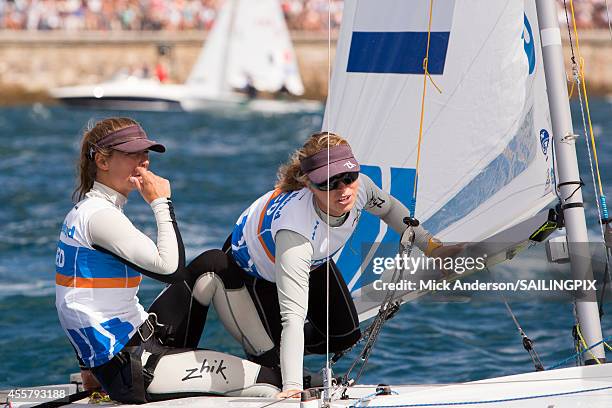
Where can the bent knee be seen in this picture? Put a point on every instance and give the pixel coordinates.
(217, 262)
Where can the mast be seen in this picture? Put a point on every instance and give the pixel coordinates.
(569, 176)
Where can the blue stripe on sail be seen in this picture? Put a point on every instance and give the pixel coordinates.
(397, 52)
(364, 235)
(516, 158)
(402, 186)
(529, 45)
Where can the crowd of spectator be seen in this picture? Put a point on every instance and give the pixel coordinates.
(107, 15)
(309, 15)
(589, 14)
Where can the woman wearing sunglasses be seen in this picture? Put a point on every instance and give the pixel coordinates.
(270, 277)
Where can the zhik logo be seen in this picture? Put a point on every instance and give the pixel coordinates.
(206, 367)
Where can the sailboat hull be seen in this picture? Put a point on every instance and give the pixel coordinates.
(235, 101)
(589, 386)
(123, 103)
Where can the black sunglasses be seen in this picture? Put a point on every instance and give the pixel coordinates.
(332, 184)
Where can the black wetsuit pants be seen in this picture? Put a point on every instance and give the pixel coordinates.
(186, 317)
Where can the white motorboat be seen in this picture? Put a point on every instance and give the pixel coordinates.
(123, 92)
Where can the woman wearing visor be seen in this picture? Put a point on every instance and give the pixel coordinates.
(100, 259)
(271, 275)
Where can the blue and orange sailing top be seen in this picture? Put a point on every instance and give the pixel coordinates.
(97, 283)
(253, 237)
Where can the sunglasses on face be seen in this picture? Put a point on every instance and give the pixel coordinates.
(332, 184)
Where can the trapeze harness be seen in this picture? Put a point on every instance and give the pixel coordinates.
(268, 284)
(100, 260)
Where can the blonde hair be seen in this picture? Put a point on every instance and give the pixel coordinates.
(86, 167)
(290, 176)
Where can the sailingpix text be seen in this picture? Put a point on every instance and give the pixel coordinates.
(541, 285)
(408, 264)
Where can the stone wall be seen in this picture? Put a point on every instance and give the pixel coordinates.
(33, 62)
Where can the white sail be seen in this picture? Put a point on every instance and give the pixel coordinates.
(486, 161)
(248, 45)
(207, 75)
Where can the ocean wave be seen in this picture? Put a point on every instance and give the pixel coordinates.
(36, 288)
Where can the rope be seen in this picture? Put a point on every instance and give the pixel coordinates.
(606, 279)
(99, 398)
(528, 344)
(578, 354)
(571, 43)
(367, 397)
(426, 75)
(600, 198)
(387, 310)
(584, 344)
(557, 365)
(326, 374)
(586, 98)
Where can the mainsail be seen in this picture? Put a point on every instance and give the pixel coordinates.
(248, 45)
(485, 156)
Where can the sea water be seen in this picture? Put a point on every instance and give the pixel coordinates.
(218, 164)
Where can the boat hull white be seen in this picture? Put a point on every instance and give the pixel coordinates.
(589, 386)
(123, 103)
(123, 94)
(235, 101)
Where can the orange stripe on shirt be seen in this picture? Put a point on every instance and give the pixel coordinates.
(99, 283)
(275, 194)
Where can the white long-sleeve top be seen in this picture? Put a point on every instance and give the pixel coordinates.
(99, 261)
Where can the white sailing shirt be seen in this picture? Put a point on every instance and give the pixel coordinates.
(253, 238)
(99, 260)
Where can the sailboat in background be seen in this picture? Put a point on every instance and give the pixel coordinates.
(483, 169)
(248, 51)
